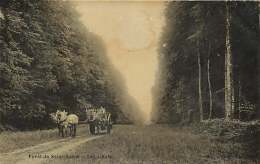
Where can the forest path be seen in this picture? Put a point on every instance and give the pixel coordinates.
(155, 144)
(131, 144)
(40, 153)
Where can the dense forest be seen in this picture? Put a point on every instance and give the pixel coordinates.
(49, 61)
(208, 62)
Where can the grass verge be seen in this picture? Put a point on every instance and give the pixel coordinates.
(159, 145)
(10, 141)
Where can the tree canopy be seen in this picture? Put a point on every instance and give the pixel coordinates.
(192, 51)
(50, 61)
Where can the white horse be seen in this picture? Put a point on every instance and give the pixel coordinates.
(66, 122)
(54, 117)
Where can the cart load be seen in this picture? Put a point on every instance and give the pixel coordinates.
(99, 120)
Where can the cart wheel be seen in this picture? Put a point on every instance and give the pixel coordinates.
(91, 128)
(96, 129)
(108, 129)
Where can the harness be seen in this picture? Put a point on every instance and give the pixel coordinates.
(60, 122)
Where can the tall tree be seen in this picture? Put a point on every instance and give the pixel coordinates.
(227, 34)
(229, 88)
(209, 83)
(200, 83)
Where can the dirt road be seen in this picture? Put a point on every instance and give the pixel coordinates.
(129, 144)
(39, 153)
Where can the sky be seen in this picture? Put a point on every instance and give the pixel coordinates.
(130, 31)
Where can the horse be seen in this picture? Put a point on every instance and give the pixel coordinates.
(65, 122)
(54, 117)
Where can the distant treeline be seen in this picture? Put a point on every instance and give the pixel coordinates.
(208, 62)
(49, 61)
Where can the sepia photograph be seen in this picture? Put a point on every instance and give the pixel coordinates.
(129, 82)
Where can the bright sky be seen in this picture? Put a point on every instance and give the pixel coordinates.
(130, 31)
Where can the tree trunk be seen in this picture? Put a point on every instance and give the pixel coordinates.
(209, 85)
(229, 96)
(200, 86)
(181, 102)
(258, 72)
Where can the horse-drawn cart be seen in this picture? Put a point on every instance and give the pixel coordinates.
(99, 120)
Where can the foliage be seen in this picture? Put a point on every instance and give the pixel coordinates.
(50, 61)
(200, 27)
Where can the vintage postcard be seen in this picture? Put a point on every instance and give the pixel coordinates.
(129, 82)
